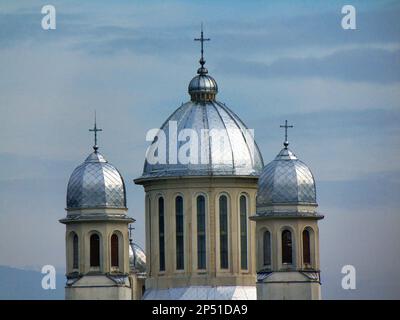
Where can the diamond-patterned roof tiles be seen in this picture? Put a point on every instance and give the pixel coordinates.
(286, 180)
(96, 183)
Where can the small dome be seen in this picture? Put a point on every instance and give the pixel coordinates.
(96, 184)
(137, 258)
(286, 180)
(202, 87)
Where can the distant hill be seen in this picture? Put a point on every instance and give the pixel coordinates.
(18, 284)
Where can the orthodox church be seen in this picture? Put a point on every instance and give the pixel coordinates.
(220, 226)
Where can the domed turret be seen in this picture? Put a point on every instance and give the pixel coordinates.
(287, 230)
(96, 184)
(96, 232)
(286, 180)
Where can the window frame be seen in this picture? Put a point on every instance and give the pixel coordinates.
(114, 251)
(179, 235)
(222, 265)
(201, 263)
(244, 264)
(266, 253)
(75, 251)
(91, 258)
(284, 254)
(161, 237)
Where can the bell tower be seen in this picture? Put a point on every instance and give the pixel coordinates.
(97, 241)
(287, 235)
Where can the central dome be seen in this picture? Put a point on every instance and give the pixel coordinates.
(203, 137)
(238, 156)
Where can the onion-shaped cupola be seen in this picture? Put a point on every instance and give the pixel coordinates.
(95, 183)
(286, 181)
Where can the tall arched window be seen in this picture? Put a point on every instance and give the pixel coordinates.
(201, 232)
(94, 250)
(179, 233)
(267, 248)
(148, 234)
(114, 251)
(75, 252)
(243, 232)
(306, 247)
(287, 256)
(161, 237)
(223, 231)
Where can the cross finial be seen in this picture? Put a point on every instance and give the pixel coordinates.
(286, 126)
(130, 232)
(95, 130)
(202, 39)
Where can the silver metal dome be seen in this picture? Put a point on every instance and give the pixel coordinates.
(240, 156)
(286, 180)
(203, 83)
(202, 87)
(137, 258)
(96, 184)
(225, 146)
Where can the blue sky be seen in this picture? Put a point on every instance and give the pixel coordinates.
(275, 60)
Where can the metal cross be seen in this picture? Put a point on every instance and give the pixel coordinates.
(286, 127)
(130, 231)
(202, 39)
(95, 130)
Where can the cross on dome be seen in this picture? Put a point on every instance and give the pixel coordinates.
(95, 130)
(286, 126)
(130, 228)
(202, 40)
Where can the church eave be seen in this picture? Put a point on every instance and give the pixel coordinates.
(286, 215)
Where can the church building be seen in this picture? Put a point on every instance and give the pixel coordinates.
(218, 223)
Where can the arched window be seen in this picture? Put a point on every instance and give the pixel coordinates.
(148, 234)
(201, 232)
(75, 252)
(223, 231)
(94, 250)
(161, 237)
(267, 248)
(306, 247)
(114, 251)
(243, 232)
(179, 233)
(287, 247)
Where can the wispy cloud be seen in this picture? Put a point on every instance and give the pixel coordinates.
(364, 65)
